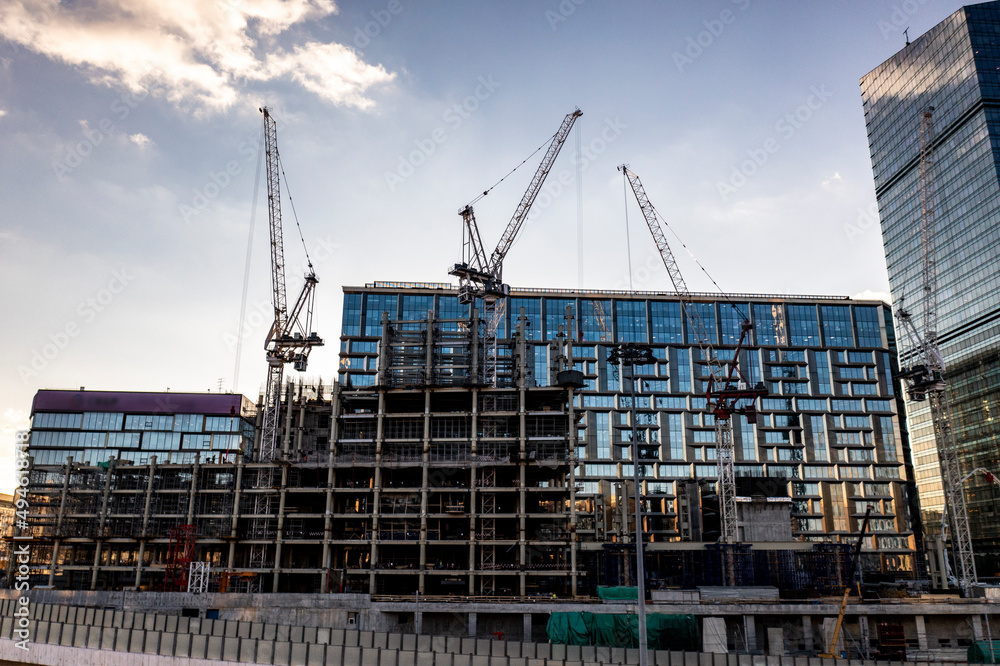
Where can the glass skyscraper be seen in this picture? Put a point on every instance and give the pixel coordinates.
(955, 68)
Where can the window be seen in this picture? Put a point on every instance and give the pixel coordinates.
(879, 405)
(189, 423)
(595, 320)
(555, 316)
(671, 403)
(683, 371)
(769, 328)
(47, 420)
(859, 357)
(866, 326)
(808, 405)
(706, 312)
(858, 388)
(704, 436)
(102, 421)
(598, 401)
(603, 436)
(376, 304)
(852, 373)
(731, 316)
(351, 322)
(847, 406)
(631, 320)
(889, 453)
(857, 422)
(818, 426)
(666, 322)
(674, 436)
(837, 325)
(778, 437)
(746, 440)
(803, 326)
(655, 385)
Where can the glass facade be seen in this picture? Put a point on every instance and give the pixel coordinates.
(954, 68)
(828, 420)
(141, 426)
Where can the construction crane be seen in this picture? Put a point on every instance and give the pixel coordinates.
(726, 386)
(482, 277)
(290, 338)
(925, 378)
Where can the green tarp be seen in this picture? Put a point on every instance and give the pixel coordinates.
(618, 593)
(663, 632)
(979, 653)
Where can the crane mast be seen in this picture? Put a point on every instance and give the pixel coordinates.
(925, 379)
(482, 277)
(290, 339)
(726, 386)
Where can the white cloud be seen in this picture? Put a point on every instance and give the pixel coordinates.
(195, 54)
(141, 140)
(832, 182)
(869, 295)
(3, 113)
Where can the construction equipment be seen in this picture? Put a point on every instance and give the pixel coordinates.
(482, 277)
(848, 586)
(180, 554)
(925, 378)
(290, 338)
(725, 388)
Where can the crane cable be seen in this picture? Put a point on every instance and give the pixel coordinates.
(246, 268)
(295, 215)
(490, 189)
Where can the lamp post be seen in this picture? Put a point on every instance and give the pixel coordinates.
(629, 354)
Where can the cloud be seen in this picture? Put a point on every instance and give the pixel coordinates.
(198, 55)
(832, 182)
(3, 113)
(869, 295)
(141, 140)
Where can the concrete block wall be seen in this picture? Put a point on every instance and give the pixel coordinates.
(162, 637)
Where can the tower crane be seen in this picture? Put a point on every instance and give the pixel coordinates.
(290, 338)
(726, 386)
(925, 379)
(480, 276)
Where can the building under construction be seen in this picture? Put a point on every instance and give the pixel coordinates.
(419, 477)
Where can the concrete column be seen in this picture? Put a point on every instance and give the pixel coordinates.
(807, 633)
(100, 522)
(776, 641)
(145, 522)
(418, 622)
(921, 632)
(472, 624)
(330, 480)
(713, 635)
(279, 536)
(526, 636)
(750, 629)
(231, 560)
(59, 524)
(977, 628)
(826, 631)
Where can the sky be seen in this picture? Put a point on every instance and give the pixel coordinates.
(130, 135)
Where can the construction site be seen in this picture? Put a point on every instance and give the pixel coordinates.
(494, 461)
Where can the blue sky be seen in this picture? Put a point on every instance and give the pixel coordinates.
(129, 133)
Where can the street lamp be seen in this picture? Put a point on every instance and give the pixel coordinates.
(631, 354)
